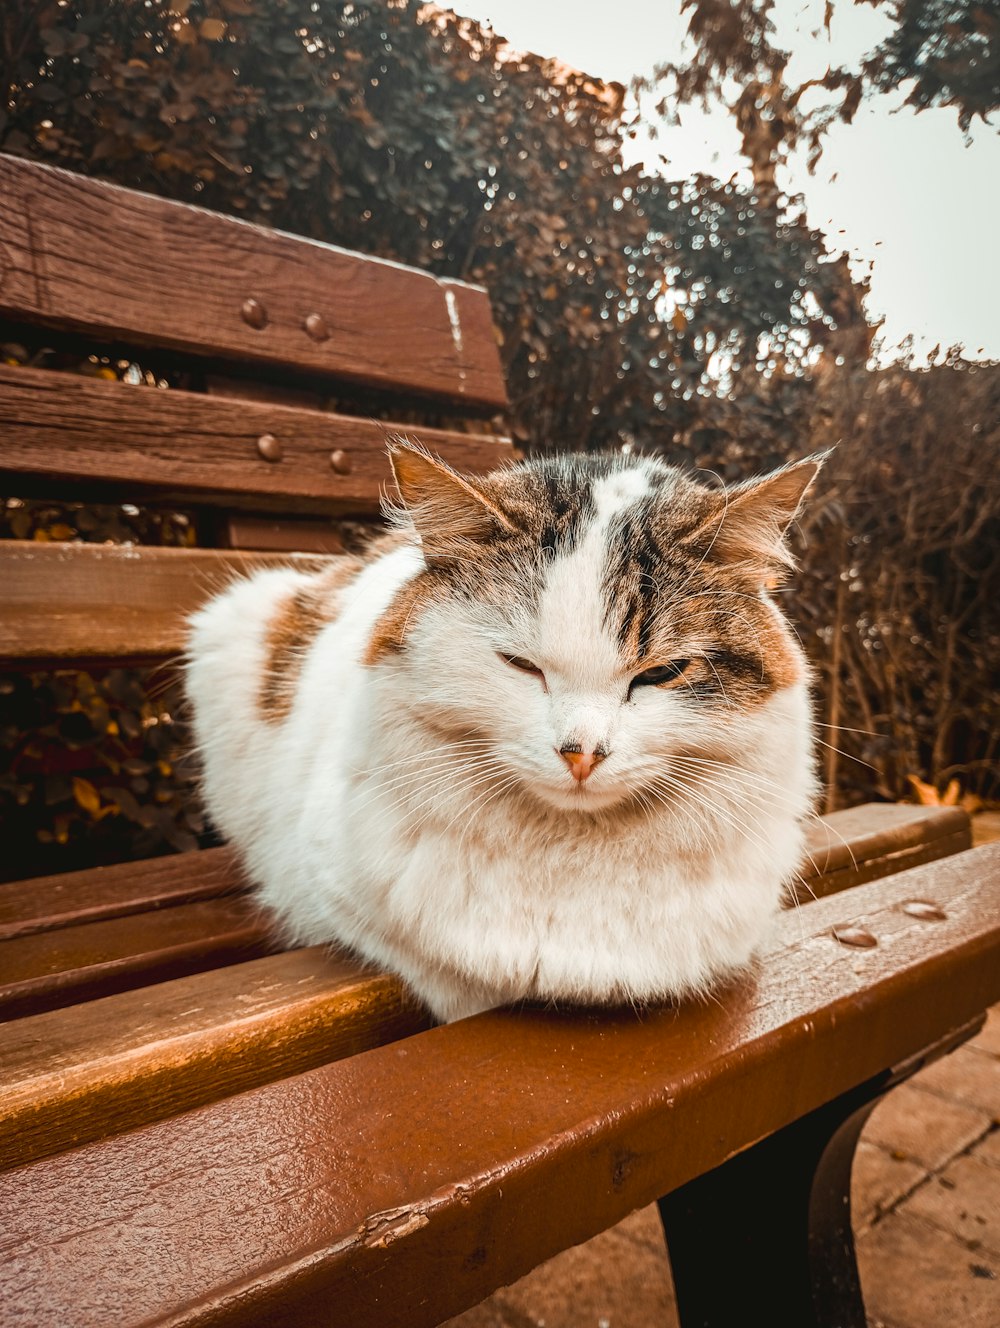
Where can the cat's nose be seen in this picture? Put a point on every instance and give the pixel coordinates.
(581, 763)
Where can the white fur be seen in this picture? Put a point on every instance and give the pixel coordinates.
(418, 810)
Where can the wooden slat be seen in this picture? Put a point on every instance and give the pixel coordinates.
(405, 1184)
(255, 532)
(859, 844)
(83, 1072)
(868, 841)
(59, 427)
(61, 602)
(99, 893)
(49, 969)
(75, 1075)
(128, 267)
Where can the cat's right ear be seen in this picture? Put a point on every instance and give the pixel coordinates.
(451, 513)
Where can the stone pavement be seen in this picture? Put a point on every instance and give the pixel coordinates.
(926, 1202)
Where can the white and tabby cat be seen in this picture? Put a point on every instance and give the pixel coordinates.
(551, 738)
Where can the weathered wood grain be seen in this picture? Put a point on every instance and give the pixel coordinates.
(89, 1071)
(124, 266)
(61, 602)
(405, 1184)
(859, 844)
(47, 903)
(49, 969)
(118, 1067)
(64, 429)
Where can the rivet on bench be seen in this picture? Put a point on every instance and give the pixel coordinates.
(316, 328)
(269, 447)
(923, 908)
(856, 936)
(254, 314)
(341, 462)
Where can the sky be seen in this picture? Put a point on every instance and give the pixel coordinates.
(900, 191)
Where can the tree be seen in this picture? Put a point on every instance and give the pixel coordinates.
(947, 51)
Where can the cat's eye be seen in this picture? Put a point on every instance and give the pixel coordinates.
(517, 662)
(659, 674)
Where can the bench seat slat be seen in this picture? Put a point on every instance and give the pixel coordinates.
(458, 1160)
(53, 968)
(62, 429)
(106, 1079)
(91, 1070)
(858, 844)
(131, 268)
(99, 893)
(862, 842)
(97, 602)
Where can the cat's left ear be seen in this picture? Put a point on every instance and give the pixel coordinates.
(749, 524)
(452, 514)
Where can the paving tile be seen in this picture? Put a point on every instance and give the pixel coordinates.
(878, 1180)
(989, 1039)
(613, 1281)
(915, 1275)
(965, 1076)
(915, 1124)
(964, 1200)
(645, 1227)
(989, 1149)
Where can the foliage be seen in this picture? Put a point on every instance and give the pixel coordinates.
(697, 319)
(414, 134)
(945, 52)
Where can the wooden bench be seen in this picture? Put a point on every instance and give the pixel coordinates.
(196, 1129)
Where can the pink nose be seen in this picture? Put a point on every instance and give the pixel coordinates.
(581, 764)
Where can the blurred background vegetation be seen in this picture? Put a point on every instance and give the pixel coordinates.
(699, 319)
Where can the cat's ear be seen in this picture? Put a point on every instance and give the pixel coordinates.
(452, 514)
(748, 524)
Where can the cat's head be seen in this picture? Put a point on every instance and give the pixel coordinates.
(600, 624)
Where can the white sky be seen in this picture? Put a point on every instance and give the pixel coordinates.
(896, 189)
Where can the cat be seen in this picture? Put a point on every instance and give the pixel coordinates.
(550, 738)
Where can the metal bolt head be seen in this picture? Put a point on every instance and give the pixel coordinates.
(855, 936)
(269, 447)
(316, 328)
(924, 909)
(341, 462)
(253, 314)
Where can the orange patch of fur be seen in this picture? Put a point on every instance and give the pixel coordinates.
(390, 630)
(293, 628)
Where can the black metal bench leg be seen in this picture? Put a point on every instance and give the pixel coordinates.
(766, 1238)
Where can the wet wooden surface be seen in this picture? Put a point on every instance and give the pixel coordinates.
(49, 969)
(399, 1186)
(109, 1042)
(66, 429)
(127, 267)
(859, 844)
(92, 1070)
(45, 903)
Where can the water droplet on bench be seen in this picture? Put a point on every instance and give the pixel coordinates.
(923, 908)
(856, 936)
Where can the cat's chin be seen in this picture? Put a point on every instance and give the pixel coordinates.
(581, 798)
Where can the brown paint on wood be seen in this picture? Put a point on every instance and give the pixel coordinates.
(60, 427)
(190, 274)
(98, 893)
(84, 1073)
(265, 535)
(405, 1184)
(55, 599)
(54, 968)
(840, 844)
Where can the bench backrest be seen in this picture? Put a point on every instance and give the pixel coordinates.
(264, 332)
